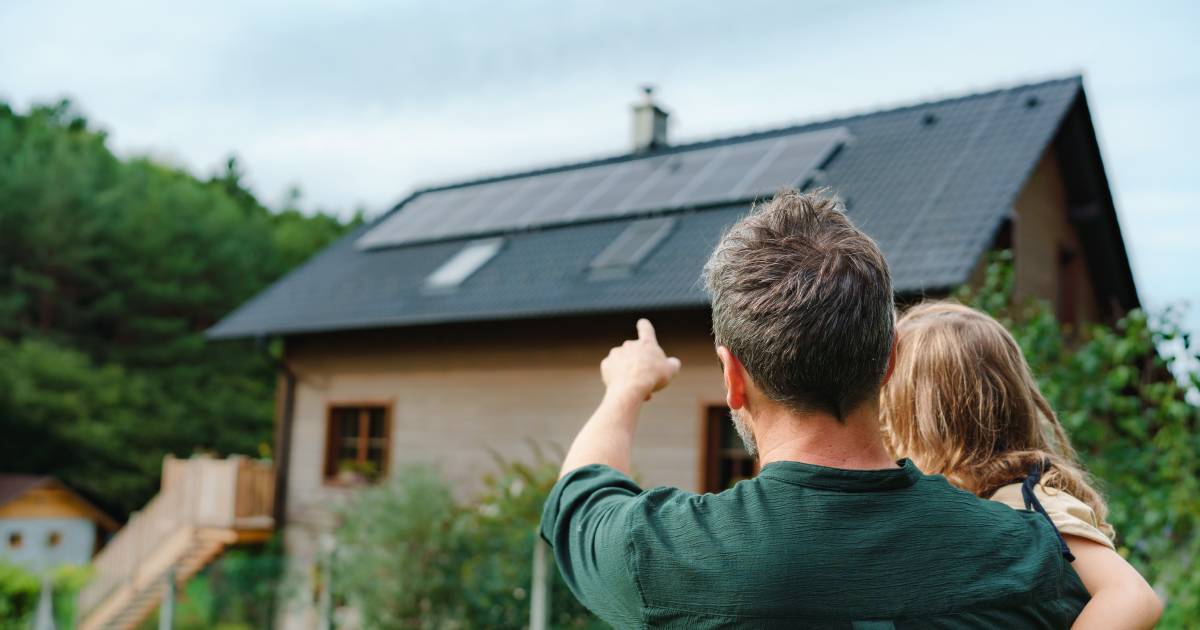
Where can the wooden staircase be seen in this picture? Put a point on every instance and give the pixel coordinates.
(205, 505)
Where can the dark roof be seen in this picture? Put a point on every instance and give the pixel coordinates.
(13, 486)
(932, 183)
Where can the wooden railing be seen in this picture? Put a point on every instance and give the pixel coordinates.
(198, 493)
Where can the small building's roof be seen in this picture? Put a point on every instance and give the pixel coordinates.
(932, 183)
(15, 486)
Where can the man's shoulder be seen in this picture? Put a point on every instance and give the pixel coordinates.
(671, 502)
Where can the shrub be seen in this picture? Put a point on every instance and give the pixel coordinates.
(398, 555)
(410, 556)
(21, 588)
(236, 592)
(499, 532)
(18, 595)
(1121, 391)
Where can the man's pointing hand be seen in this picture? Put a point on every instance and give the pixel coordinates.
(639, 367)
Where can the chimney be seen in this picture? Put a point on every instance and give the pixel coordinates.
(649, 123)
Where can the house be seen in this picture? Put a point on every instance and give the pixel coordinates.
(45, 524)
(472, 316)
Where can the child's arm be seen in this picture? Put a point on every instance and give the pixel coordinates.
(1121, 598)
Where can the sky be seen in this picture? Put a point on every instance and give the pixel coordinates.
(357, 103)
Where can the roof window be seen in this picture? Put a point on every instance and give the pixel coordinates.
(464, 264)
(631, 247)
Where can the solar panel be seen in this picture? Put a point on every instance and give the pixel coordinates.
(550, 191)
(799, 156)
(676, 172)
(721, 182)
(528, 191)
(576, 187)
(616, 190)
(436, 215)
(727, 173)
(481, 213)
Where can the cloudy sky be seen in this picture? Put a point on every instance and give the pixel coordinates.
(358, 102)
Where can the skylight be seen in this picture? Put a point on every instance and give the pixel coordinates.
(466, 262)
(631, 247)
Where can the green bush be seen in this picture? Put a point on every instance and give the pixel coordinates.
(410, 556)
(236, 592)
(18, 596)
(21, 588)
(398, 555)
(1121, 392)
(499, 532)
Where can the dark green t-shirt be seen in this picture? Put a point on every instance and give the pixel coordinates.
(807, 546)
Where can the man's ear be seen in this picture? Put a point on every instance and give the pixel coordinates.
(735, 378)
(887, 376)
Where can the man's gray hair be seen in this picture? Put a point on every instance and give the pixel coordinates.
(803, 299)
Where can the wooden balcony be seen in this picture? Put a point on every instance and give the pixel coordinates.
(204, 506)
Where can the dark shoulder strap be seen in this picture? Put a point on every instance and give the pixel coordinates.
(1032, 503)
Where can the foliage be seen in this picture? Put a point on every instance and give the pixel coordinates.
(110, 271)
(236, 592)
(397, 556)
(1118, 392)
(448, 564)
(499, 532)
(21, 588)
(55, 401)
(244, 583)
(18, 595)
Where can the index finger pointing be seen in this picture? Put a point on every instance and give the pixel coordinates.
(646, 330)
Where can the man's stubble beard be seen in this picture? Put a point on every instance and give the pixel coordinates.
(744, 431)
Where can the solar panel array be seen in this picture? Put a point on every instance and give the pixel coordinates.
(699, 177)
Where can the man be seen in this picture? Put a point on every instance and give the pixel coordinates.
(832, 533)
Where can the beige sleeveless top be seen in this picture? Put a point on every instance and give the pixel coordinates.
(1071, 516)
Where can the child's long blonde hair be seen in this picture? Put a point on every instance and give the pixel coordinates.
(961, 402)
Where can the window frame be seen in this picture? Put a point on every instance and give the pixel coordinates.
(329, 472)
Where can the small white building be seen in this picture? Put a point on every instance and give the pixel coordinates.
(44, 524)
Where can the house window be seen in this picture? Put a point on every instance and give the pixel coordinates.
(15, 540)
(356, 443)
(726, 460)
(54, 539)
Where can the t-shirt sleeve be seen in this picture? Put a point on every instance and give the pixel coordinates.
(1071, 516)
(588, 522)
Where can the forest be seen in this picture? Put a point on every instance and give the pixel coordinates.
(111, 269)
